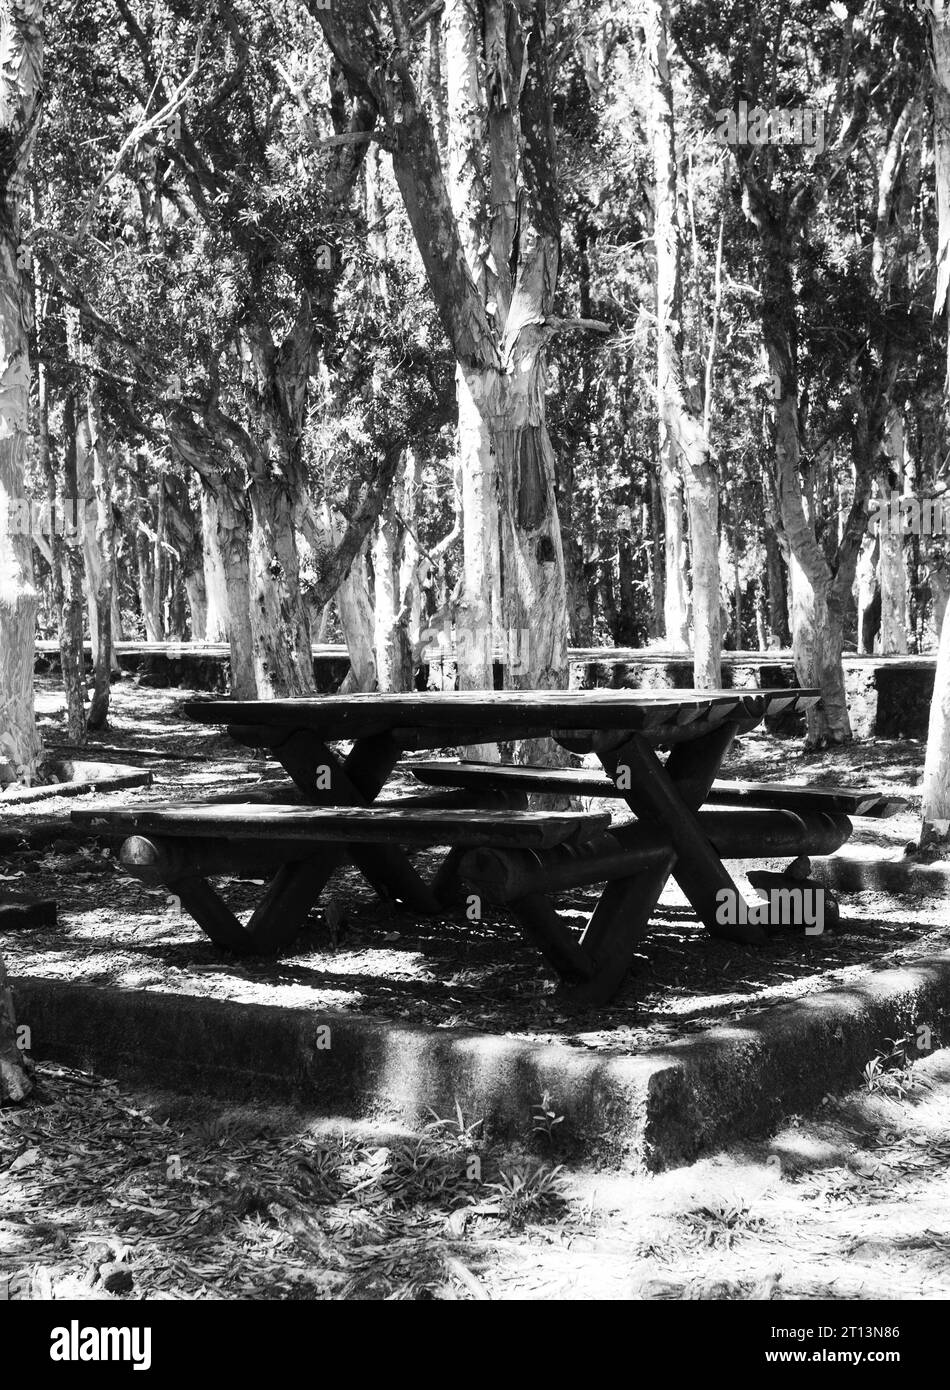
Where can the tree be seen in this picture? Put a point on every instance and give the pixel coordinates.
(502, 355)
(15, 1082)
(684, 441)
(936, 786)
(21, 78)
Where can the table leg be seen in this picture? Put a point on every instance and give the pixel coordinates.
(289, 899)
(357, 781)
(654, 795)
(544, 929)
(619, 923)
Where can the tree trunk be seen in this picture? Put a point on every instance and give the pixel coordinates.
(817, 635)
(103, 479)
(275, 381)
(703, 497)
(778, 600)
(684, 446)
(936, 787)
(657, 560)
(476, 621)
(893, 574)
(217, 597)
(66, 567)
(21, 63)
(15, 1082)
(501, 354)
(675, 567)
(392, 642)
(355, 605)
(197, 596)
(228, 511)
(868, 595)
(282, 651)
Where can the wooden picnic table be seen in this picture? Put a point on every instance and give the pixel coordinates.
(625, 729)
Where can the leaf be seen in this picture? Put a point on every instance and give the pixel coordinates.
(25, 1160)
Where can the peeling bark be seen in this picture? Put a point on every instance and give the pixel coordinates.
(21, 78)
(936, 784)
(103, 481)
(66, 564)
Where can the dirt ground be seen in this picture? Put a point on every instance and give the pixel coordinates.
(110, 1194)
(450, 972)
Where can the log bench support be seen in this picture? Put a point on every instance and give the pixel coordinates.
(297, 848)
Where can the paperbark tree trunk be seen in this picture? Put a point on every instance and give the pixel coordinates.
(936, 785)
(275, 387)
(502, 355)
(939, 584)
(324, 530)
(476, 620)
(21, 76)
(817, 636)
(217, 594)
(675, 565)
(355, 606)
(103, 480)
(66, 568)
(893, 573)
(15, 1081)
(229, 512)
(868, 595)
(224, 519)
(684, 446)
(392, 642)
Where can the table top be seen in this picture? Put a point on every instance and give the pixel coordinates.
(513, 713)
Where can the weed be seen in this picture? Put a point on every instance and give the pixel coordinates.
(526, 1192)
(545, 1119)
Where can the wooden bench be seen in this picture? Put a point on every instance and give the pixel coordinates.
(474, 776)
(181, 846)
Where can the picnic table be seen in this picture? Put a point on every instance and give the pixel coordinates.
(518, 857)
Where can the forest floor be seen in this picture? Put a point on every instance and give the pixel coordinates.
(444, 973)
(111, 1192)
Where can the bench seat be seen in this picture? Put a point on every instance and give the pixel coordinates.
(343, 825)
(474, 776)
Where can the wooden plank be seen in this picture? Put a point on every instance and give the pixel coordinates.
(849, 801)
(473, 776)
(354, 825)
(459, 712)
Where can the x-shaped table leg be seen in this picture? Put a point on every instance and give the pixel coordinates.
(668, 798)
(326, 780)
(664, 798)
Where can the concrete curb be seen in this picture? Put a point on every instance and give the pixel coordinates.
(648, 1112)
